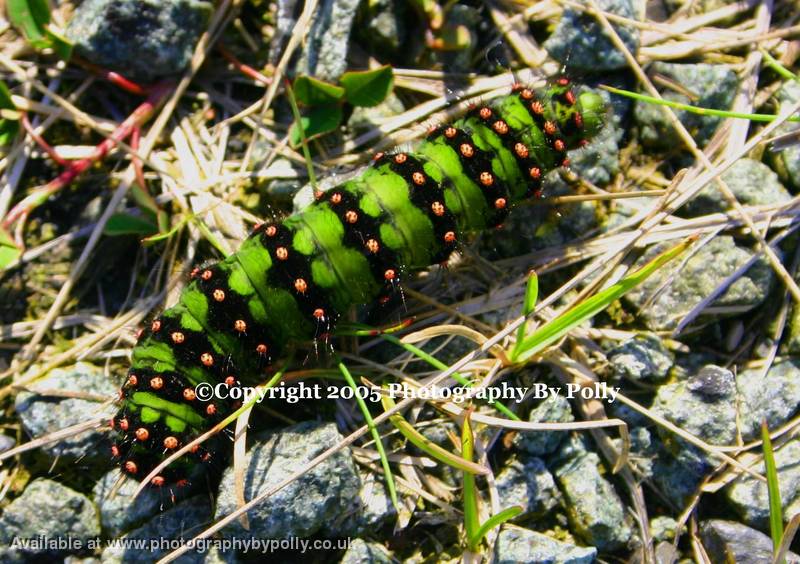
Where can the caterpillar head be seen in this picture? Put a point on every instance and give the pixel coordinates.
(593, 111)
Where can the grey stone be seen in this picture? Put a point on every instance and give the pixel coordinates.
(728, 541)
(749, 496)
(141, 39)
(527, 483)
(118, 510)
(314, 503)
(643, 358)
(752, 182)
(383, 26)
(362, 552)
(704, 405)
(324, 54)
(179, 523)
(552, 409)
(374, 507)
(514, 545)
(580, 43)
(43, 414)
(595, 511)
(774, 397)
(50, 511)
(712, 86)
(363, 119)
(6, 443)
(679, 473)
(787, 160)
(695, 280)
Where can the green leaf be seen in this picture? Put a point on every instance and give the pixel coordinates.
(319, 120)
(8, 127)
(773, 489)
(368, 88)
(313, 92)
(127, 224)
(9, 251)
(32, 18)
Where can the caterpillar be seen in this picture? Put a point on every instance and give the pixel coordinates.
(293, 279)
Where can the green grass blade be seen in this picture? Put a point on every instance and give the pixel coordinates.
(387, 471)
(775, 65)
(531, 297)
(694, 109)
(470, 491)
(298, 120)
(775, 507)
(560, 326)
(498, 519)
(426, 445)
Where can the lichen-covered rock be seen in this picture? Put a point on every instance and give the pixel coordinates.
(787, 161)
(48, 512)
(317, 502)
(382, 25)
(595, 511)
(163, 534)
(712, 86)
(690, 280)
(118, 510)
(140, 39)
(580, 43)
(362, 552)
(644, 358)
(679, 473)
(774, 396)
(749, 496)
(752, 182)
(728, 541)
(663, 528)
(552, 409)
(372, 509)
(527, 483)
(364, 118)
(42, 414)
(514, 545)
(325, 49)
(704, 406)
(6, 443)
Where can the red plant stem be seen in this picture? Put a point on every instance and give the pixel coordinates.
(114, 78)
(137, 162)
(140, 115)
(243, 68)
(39, 140)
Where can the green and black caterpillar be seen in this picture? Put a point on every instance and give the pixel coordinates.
(292, 280)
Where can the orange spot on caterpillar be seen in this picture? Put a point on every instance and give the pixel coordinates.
(319, 313)
(155, 326)
(194, 448)
(486, 178)
(400, 158)
(211, 409)
(537, 107)
(133, 380)
(526, 94)
(170, 442)
(521, 150)
(418, 178)
(500, 203)
(466, 150)
(301, 285)
(565, 162)
(282, 253)
(390, 274)
(207, 275)
(577, 119)
(188, 394)
(378, 156)
(206, 359)
(336, 198)
(559, 145)
(535, 172)
(562, 81)
(240, 325)
(114, 451)
(351, 216)
(261, 348)
(500, 127)
(182, 483)
(373, 246)
(485, 113)
(142, 434)
(437, 208)
(550, 127)
(271, 231)
(230, 381)
(177, 337)
(450, 132)
(130, 467)
(569, 97)
(449, 237)
(123, 424)
(219, 295)
(195, 271)
(156, 382)
(157, 481)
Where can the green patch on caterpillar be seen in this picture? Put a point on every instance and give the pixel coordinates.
(292, 280)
